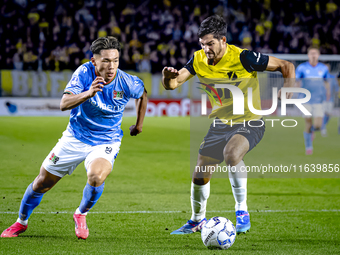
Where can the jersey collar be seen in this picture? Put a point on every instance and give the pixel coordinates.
(311, 65)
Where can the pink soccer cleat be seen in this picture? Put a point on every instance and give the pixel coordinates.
(309, 151)
(14, 230)
(82, 232)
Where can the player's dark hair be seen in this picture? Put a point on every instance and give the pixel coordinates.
(105, 43)
(213, 25)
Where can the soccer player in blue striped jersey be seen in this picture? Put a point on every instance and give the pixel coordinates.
(313, 76)
(96, 95)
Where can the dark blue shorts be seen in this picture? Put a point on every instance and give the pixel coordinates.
(218, 137)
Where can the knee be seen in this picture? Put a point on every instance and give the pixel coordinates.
(232, 157)
(317, 126)
(308, 124)
(95, 179)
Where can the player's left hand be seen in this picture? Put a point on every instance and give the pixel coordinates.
(134, 130)
(289, 95)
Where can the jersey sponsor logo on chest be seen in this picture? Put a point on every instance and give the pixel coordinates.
(109, 107)
(118, 94)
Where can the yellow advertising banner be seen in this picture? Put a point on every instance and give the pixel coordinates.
(34, 84)
(52, 84)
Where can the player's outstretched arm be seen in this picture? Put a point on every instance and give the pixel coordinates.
(69, 101)
(172, 78)
(286, 68)
(141, 104)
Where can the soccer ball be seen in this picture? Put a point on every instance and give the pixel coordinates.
(218, 233)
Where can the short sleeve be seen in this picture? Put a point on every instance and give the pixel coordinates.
(190, 66)
(136, 87)
(254, 61)
(77, 83)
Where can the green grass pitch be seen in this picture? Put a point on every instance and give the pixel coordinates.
(147, 194)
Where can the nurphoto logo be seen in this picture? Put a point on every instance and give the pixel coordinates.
(238, 99)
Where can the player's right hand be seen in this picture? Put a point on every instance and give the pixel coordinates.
(289, 95)
(170, 73)
(96, 86)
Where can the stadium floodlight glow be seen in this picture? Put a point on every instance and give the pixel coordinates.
(238, 100)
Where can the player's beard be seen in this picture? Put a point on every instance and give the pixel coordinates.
(214, 54)
(219, 51)
(211, 55)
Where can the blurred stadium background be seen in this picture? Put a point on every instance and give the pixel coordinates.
(43, 42)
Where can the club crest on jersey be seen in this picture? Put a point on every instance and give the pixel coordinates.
(54, 158)
(108, 150)
(118, 94)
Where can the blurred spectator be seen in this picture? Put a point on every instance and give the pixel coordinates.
(18, 63)
(56, 35)
(316, 40)
(30, 60)
(281, 48)
(86, 51)
(145, 65)
(177, 33)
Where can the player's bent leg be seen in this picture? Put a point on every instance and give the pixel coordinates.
(318, 114)
(308, 136)
(200, 191)
(318, 123)
(45, 181)
(234, 152)
(97, 171)
(31, 199)
(325, 120)
(202, 173)
(328, 108)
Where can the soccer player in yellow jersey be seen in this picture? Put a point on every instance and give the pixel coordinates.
(219, 60)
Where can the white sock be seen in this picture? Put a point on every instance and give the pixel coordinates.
(199, 197)
(79, 212)
(22, 222)
(238, 181)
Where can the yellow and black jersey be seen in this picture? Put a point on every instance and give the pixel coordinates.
(237, 67)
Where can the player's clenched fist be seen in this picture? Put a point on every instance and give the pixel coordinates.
(96, 86)
(170, 72)
(134, 130)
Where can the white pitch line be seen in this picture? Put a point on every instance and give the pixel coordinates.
(170, 212)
